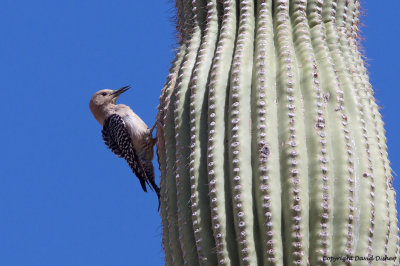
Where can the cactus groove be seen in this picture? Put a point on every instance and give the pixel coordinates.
(271, 146)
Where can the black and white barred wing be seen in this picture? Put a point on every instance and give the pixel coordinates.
(117, 139)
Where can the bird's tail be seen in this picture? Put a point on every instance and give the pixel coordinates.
(158, 196)
(143, 184)
(153, 186)
(150, 179)
(157, 190)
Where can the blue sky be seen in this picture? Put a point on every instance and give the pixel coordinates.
(64, 198)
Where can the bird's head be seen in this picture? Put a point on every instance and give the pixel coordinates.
(103, 98)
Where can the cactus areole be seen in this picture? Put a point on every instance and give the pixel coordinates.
(270, 143)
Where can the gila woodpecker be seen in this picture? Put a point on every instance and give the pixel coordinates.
(126, 135)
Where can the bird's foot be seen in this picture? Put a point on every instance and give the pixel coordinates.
(154, 126)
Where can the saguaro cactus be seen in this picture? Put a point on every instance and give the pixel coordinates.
(271, 146)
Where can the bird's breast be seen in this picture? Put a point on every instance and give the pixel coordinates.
(137, 129)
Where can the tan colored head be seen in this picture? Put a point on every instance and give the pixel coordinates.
(103, 100)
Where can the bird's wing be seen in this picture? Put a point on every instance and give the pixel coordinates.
(109, 141)
(118, 140)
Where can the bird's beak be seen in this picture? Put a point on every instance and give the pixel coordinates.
(118, 92)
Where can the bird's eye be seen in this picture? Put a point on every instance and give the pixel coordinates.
(104, 93)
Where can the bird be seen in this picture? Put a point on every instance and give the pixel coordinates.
(126, 135)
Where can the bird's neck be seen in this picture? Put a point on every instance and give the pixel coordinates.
(101, 113)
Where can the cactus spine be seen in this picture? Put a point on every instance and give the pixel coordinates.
(271, 146)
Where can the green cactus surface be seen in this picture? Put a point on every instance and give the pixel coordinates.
(271, 146)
